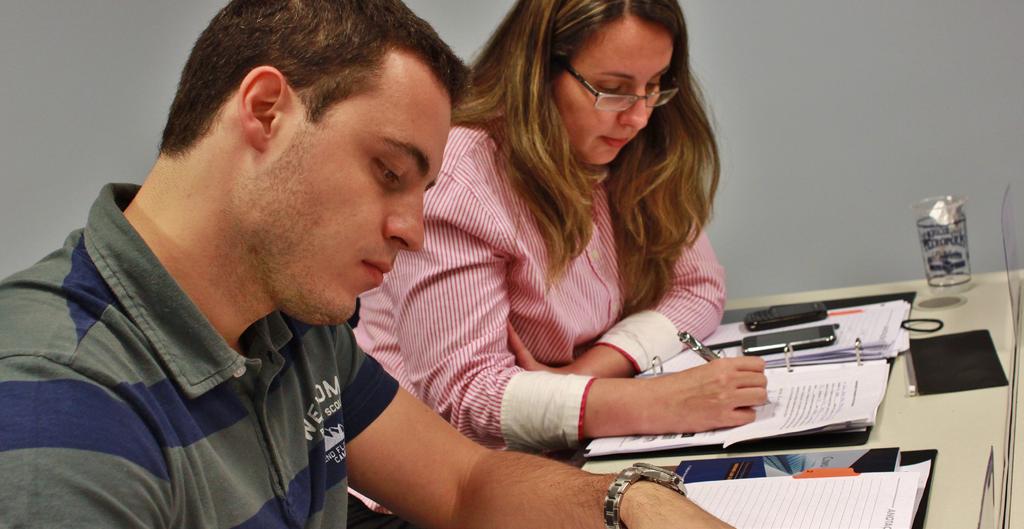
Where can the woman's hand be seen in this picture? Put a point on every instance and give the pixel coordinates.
(720, 394)
(599, 361)
(524, 358)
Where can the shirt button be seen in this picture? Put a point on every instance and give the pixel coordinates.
(594, 255)
(240, 371)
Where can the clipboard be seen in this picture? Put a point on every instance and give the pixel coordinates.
(736, 315)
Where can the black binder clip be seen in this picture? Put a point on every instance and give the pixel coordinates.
(787, 353)
(857, 349)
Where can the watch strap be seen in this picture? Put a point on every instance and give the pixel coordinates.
(630, 475)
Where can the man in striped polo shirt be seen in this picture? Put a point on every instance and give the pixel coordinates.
(182, 361)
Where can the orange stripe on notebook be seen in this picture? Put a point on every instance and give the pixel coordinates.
(826, 473)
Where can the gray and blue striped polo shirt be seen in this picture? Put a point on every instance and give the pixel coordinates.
(120, 405)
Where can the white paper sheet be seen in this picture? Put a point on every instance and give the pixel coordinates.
(809, 399)
(868, 501)
(839, 396)
(922, 469)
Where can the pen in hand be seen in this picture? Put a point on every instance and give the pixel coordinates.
(695, 345)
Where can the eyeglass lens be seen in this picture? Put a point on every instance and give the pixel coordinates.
(620, 102)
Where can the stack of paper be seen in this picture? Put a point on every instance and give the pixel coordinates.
(827, 397)
(875, 500)
(877, 326)
(832, 463)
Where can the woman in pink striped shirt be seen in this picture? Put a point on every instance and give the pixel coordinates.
(564, 244)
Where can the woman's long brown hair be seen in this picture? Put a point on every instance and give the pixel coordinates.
(661, 185)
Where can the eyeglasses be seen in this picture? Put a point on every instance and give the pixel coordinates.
(620, 102)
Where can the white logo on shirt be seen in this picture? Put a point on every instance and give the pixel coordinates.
(318, 412)
(332, 436)
(334, 444)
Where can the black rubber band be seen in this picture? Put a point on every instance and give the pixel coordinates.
(913, 324)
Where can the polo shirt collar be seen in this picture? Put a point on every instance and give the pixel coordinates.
(196, 357)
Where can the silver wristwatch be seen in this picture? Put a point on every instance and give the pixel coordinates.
(629, 476)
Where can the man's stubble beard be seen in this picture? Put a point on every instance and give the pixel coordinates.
(277, 236)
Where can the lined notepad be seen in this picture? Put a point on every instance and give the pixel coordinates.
(883, 500)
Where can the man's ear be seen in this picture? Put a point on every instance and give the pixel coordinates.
(266, 102)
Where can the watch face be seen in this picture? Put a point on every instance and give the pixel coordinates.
(648, 469)
(661, 476)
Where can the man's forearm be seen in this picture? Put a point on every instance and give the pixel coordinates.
(515, 490)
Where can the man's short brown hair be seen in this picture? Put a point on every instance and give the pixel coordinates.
(327, 50)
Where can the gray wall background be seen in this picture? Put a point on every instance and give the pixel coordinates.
(833, 116)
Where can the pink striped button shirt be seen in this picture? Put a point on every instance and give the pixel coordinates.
(438, 323)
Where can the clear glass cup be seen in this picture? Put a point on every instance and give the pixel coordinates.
(942, 232)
